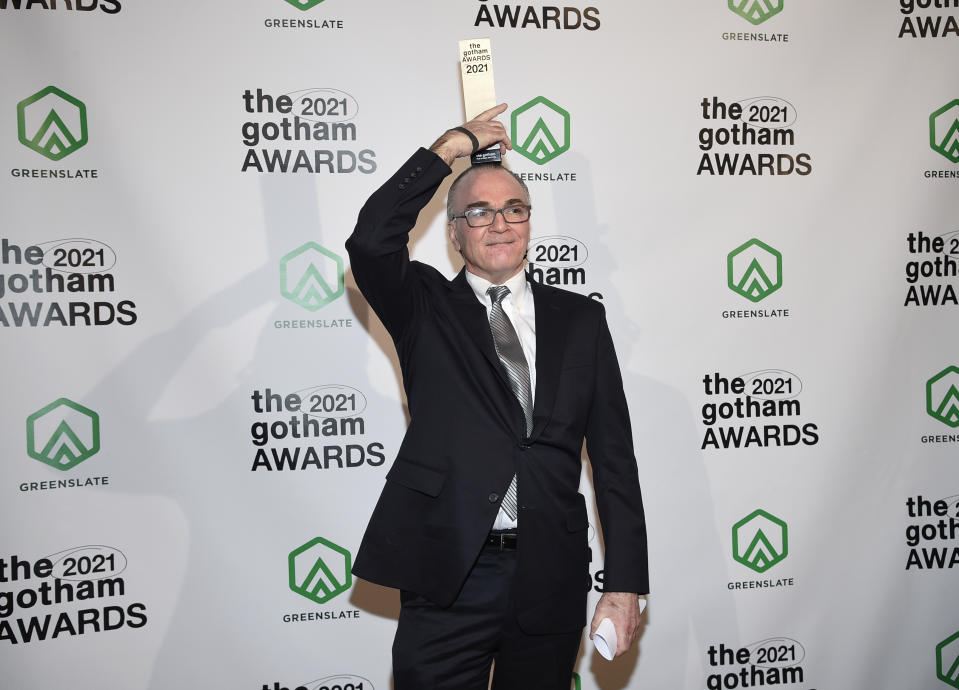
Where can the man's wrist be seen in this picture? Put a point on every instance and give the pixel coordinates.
(445, 148)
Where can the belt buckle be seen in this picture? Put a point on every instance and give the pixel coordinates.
(503, 541)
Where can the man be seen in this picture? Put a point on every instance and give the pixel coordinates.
(480, 523)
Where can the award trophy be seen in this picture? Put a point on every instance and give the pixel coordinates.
(476, 69)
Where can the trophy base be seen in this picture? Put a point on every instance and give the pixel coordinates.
(490, 155)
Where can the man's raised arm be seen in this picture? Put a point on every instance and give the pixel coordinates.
(378, 245)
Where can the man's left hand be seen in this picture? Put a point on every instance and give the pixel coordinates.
(622, 608)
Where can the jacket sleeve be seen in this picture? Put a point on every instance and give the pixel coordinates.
(609, 442)
(378, 246)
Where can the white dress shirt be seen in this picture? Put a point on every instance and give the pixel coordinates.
(519, 309)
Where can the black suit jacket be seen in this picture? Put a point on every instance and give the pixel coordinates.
(467, 433)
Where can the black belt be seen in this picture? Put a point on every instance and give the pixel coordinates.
(504, 540)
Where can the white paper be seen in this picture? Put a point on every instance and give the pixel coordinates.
(604, 639)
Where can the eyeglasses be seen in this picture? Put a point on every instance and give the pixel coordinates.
(481, 217)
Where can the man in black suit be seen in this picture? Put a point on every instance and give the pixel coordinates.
(481, 524)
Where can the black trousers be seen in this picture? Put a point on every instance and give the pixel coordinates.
(453, 648)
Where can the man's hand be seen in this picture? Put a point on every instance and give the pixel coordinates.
(483, 127)
(622, 608)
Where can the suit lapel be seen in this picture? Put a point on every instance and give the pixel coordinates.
(550, 343)
(472, 317)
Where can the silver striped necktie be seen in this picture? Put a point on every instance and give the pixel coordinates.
(510, 353)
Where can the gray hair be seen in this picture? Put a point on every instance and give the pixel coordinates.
(479, 168)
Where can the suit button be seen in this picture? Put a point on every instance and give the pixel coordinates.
(419, 168)
(402, 186)
(493, 498)
(524, 446)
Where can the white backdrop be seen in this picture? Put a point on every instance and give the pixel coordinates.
(753, 189)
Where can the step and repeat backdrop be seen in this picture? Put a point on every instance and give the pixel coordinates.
(199, 408)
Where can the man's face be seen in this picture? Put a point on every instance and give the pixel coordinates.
(495, 252)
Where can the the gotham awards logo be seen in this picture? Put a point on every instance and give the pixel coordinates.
(306, 131)
(559, 260)
(932, 533)
(75, 592)
(338, 682)
(930, 21)
(73, 268)
(319, 570)
(754, 136)
(775, 661)
(931, 258)
(53, 124)
(540, 130)
(309, 429)
(944, 137)
(770, 395)
(311, 277)
(493, 14)
(62, 435)
(760, 541)
(107, 6)
(947, 660)
(754, 271)
(312, 23)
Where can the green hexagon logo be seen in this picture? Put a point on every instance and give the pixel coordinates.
(944, 131)
(304, 4)
(540, 130)
(942, 396)
(754, 270)
(63, 434)
(320, 570)
(756, 11)
(947, 660)
(311, 276)
(52, 122)
(760, 541)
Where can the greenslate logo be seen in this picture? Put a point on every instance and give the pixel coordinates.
(944, 131)
(947, 660)
(942, 396)
(320, 570)
(52, 122)
(754, 270)
(63, 434)
(311, 276)
(756, 11)
(760, 541)
(304, 4)
(540, 130)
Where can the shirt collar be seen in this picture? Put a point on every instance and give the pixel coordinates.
(516, 285)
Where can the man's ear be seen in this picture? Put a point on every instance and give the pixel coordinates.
(454, 240)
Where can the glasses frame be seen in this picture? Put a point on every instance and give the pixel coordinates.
(465, 214)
